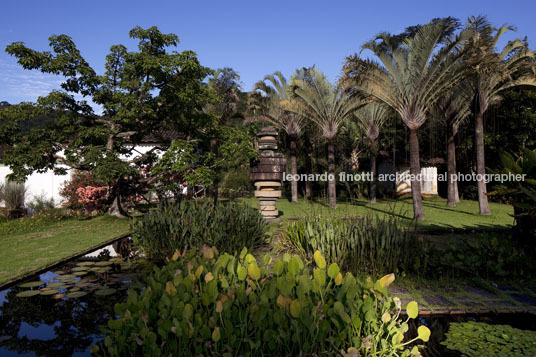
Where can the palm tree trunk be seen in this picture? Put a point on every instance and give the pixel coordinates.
(214, 150)
(332, 190)
(308, 169)
(451, 166)
(373, 171)
(415, 169)
(481, 165)
(293, 170)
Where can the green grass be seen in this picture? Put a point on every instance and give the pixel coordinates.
(48, 241)
(438, 215)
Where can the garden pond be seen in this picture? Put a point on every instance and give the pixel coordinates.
(60, 312)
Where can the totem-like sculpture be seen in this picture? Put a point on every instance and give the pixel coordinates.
(267, 172)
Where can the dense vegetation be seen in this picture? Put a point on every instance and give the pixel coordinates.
(205, 303)
(227, 226)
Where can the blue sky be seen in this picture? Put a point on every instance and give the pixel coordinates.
(255, 37)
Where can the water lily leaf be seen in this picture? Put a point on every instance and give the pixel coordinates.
(79, 269)
(72, 290)
(319, 260)
(57, 285)
(58, 296)
(28, 293)
(31, 284)
(105, 292)
(76, 294)
(412, 309)
(85, 264)
(423, 333)
(50, 292)
(103, 264)
(80, 273)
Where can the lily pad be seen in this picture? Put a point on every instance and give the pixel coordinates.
(58, 296)
(72, 290)
(103, 264)
(79, 269)
(76, 294)
(57, 285)
(80, 273)
(28, 293)
(31, 284)
(85, 264)
(65, 277)
(105, 292)
(50, 292)
(45, 289)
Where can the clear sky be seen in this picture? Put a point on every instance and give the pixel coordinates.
(255, 37)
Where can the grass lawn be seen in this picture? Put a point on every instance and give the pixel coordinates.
(32, 244)
(438, 215)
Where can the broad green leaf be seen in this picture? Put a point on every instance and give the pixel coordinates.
(333, 271)
(412, 309)
(423, 333)
(320, 260)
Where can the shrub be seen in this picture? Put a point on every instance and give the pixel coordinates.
(13, 195)
(228, 226)
(218, 305)
(375, 245)
(41, 203)
(84, 191)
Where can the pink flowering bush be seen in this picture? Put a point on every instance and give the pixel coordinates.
(85, 192)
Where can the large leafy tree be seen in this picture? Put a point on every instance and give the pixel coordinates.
(370, 118)
(328, 106)
(225, 86)
(275, 99)
(512, 66)
(150, 92)
(416, 69)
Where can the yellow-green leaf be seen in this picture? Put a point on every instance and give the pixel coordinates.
(295, 309)
(219, 306)
(170, 288)
(412, 309)
(216, 334)
(175, 255)
(333, 271)
(241, 272)
(199, 271)
(423, 333)
(319, 260)
(386, 317)
(209, 277)
(254, 271)
(338, 279)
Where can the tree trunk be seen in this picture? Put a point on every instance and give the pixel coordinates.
(332, 190)
(116, 209)
(214, 150)
(373, 171)
(415, 169)
(452, 183)
(309, 170)
(481, 165)
(293, 170)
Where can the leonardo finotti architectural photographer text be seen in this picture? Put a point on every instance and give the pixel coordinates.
(403, 176)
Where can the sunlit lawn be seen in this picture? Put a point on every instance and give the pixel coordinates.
(41, 244)
(438, 215)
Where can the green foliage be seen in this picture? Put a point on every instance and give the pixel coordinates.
(41, 203)
(31, 224)
(486, 256)
(522, 193)
(237, 183)
(13, 194)
(228, 226)
(192, 162)
(376, 245)
(220, 305)
(477, 339)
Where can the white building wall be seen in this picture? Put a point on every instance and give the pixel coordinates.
(49, 185)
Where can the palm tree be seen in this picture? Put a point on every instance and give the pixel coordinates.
(451, 109)
(278, 105)
(327, 106)
(513, 66)
(370, 119)
(415, 70)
